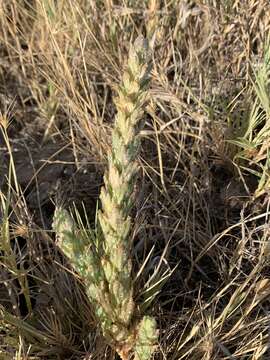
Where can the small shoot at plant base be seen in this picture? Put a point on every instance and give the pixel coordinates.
(106, 267)
(146, 339)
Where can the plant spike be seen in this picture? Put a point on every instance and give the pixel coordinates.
(106, 268)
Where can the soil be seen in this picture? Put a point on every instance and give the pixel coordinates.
(41, 166)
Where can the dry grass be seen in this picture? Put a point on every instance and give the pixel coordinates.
(202, 196)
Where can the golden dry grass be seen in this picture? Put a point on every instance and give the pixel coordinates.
(202, 205)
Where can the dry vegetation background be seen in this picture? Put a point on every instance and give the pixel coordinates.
(201, 220)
